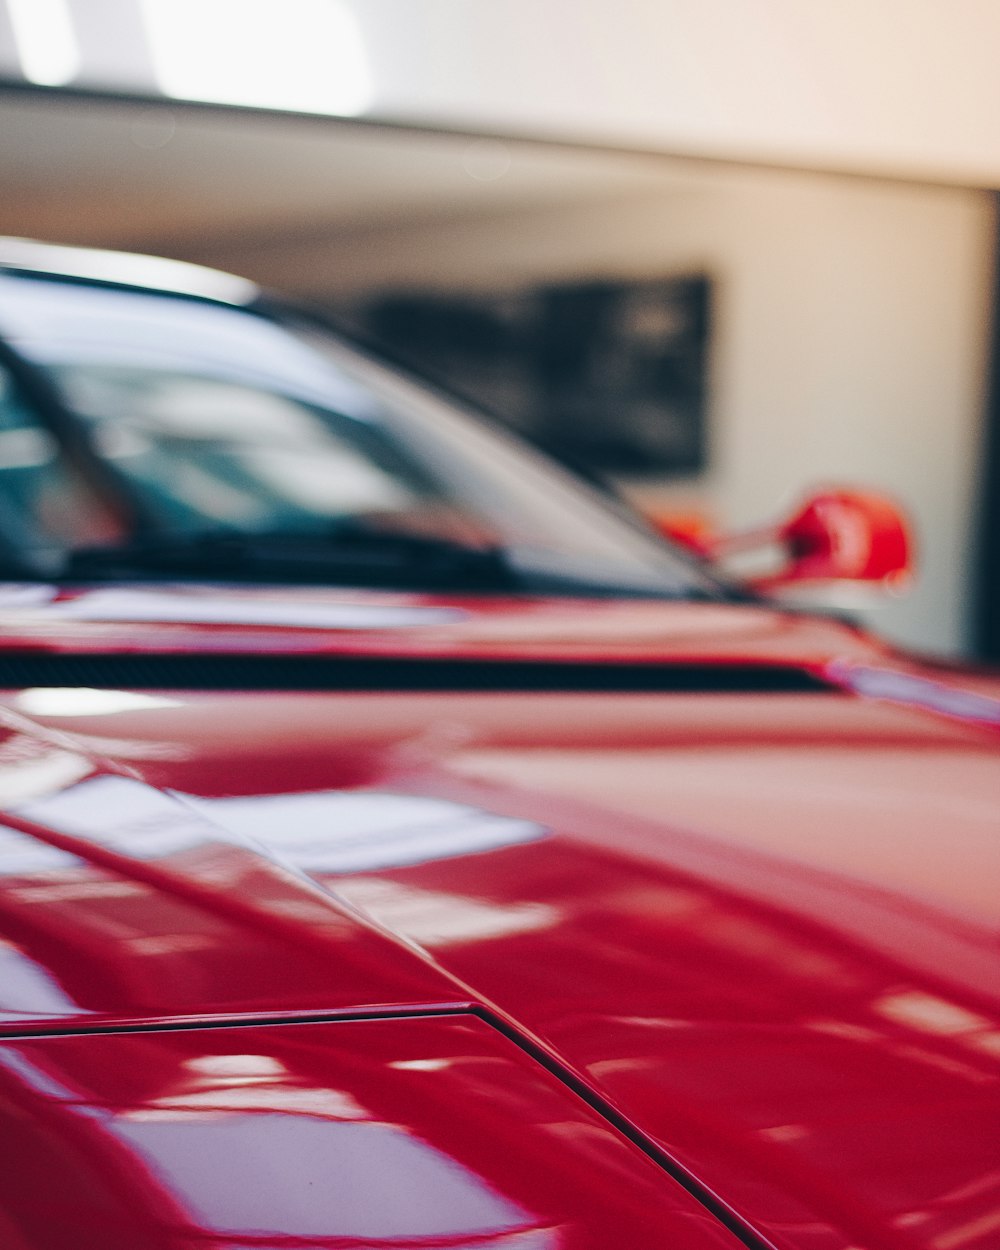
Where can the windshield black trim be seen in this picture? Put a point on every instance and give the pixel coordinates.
(365, 674)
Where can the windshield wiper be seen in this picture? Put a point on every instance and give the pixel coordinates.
(350, 554)
(352, 557)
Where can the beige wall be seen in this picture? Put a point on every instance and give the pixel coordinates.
(848, 342)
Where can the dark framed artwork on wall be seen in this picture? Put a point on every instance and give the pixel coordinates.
(610, 376)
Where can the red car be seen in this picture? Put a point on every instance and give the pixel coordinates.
(402, 846)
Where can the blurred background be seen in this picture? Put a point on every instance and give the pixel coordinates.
(716, 254)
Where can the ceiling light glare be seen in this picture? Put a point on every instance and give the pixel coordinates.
(300, 55)
(46, 41)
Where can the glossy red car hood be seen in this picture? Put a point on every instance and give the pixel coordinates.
(186, 619)
(760, 925)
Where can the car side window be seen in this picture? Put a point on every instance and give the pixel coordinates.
(46, 505)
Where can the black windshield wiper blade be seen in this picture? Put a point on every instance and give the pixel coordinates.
(361, 557)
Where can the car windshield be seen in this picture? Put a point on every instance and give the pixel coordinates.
(237, 443)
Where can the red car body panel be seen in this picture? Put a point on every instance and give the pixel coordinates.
(428, 1132)
(186, 619)
(756, 931)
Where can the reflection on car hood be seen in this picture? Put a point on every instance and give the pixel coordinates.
(187, 619)
(761, 925)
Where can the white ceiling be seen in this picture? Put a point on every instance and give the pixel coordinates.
(904, 88)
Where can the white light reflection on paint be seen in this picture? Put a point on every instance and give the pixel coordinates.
(271, 1170)
(22, 856)
(301, 1176)
(221, 1084)
(316, 833)
(360, 831)
(84, 701)
(432, 918)
(36, 770)
(125, 816)
(876, 683)
(301, 55)
(320, 835)
(28, 990)
(42, 1082)
(939, 1017)
(236, 1069)
(46, 42)
(208, 608)
(421, 1065)
(929, 1014)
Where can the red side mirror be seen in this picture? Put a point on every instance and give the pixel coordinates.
(837, 535)
(845, 535)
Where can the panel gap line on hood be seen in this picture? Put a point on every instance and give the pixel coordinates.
(226, 671)
(556, 1067)
(534, 1050)
(184, 1024)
